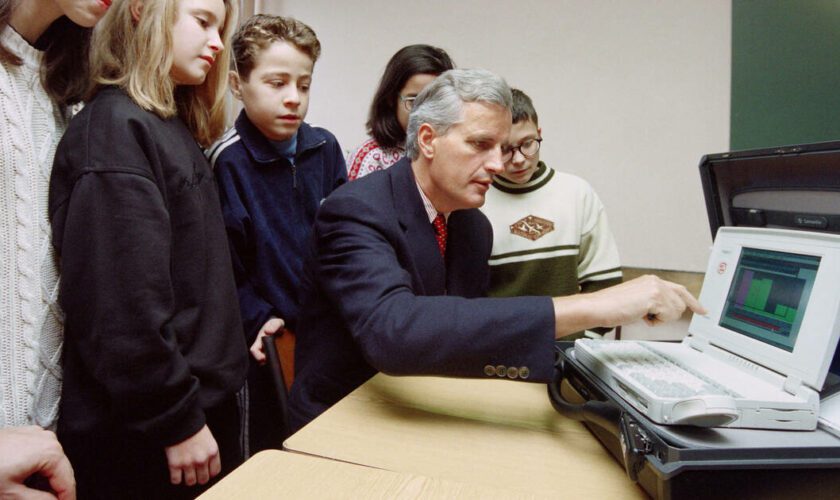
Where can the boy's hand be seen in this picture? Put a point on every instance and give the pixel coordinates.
(195, 459)
(270, 327)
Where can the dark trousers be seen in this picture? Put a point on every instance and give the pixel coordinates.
(110, 463)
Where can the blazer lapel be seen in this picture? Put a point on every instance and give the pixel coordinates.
(428, 265)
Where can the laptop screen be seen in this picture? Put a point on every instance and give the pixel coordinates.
(768, 295)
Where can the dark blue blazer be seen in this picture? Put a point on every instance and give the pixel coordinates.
(378, 296)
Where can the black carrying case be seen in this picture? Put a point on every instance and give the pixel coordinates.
(793, 187)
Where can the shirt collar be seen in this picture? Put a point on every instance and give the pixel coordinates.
(263, 151)
(431, 211)
(542, 175)
(286, 148)
(30, 56)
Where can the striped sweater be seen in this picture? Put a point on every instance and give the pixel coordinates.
(550, 237)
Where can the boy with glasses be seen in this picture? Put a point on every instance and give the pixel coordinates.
(550, 231)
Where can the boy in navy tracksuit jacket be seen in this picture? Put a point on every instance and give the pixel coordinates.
(273, 171)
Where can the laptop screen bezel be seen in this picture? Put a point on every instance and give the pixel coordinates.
(819, 330)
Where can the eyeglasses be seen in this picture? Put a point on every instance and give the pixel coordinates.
(528, 149)
(408, 102)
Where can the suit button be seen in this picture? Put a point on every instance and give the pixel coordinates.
(489, 370)
(524, 372)
(512, 372)
(500, 370)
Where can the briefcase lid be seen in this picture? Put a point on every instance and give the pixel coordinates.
(790, 187)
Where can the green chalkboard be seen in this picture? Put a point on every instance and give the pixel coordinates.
(785, 72)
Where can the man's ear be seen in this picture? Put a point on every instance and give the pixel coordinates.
(235, 88)
(426, 136)
(539, 131)
(136, 8)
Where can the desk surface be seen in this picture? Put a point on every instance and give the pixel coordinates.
(495, 433)
(276, 474)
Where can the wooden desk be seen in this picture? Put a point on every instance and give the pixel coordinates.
(277, 474)
(494, 433)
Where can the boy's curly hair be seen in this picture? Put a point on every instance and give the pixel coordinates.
(261, 30)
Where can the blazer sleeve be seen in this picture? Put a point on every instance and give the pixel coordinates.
(364, 263)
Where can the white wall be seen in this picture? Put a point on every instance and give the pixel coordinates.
(630, 93)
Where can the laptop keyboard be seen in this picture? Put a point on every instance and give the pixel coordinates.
(652, 370)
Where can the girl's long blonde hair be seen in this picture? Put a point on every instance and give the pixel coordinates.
(137, 57)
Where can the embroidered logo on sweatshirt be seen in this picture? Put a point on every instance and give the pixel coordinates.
(532, 227)
(191, 183)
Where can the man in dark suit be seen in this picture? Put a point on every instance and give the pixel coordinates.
(400, 266)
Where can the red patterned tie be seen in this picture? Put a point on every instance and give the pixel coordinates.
(440, 232)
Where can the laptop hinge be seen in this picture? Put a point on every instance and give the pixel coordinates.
(792, 385)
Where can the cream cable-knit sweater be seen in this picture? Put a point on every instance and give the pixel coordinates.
(30, 319)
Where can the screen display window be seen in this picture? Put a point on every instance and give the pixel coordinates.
(769, 294)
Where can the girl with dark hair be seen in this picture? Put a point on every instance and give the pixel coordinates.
(407, 73)
(43, 70)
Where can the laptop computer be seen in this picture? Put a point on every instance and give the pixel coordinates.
(760, 355)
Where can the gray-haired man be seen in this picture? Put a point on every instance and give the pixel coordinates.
(399, 270)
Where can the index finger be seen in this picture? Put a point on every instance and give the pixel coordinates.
(175, 474)
(690, 301)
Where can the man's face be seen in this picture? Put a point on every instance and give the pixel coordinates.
(520, 169)
(465, 159)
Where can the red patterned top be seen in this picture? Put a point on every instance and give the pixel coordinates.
(369, 157)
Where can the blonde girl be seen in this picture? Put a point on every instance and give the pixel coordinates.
(153, 346)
